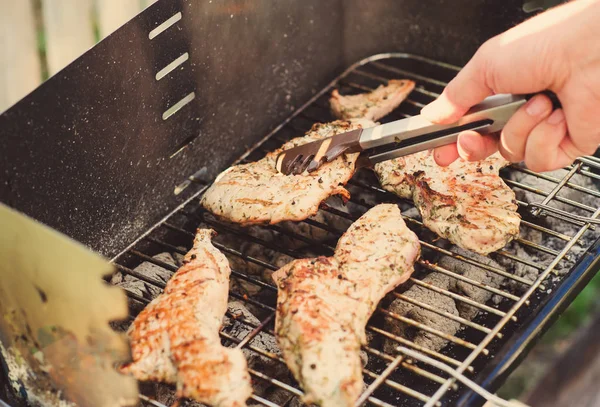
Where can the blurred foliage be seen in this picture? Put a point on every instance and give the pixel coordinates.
(578, 313)
(41, 38)
(554, 342)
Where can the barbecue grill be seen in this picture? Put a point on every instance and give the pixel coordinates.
(117, 149)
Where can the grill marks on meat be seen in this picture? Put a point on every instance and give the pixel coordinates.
(175, 339)
(324, 304)
(256, 193)
(373, 105)
(466, 202)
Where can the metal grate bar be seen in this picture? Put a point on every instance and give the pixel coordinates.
(413, 345)
(408, 366)
(379, 403)
(558, 186)
(263, 401)
(550, 232)
(518, 259)
(445, 314)
(458, 297)
(478, 264)
(536, 246)
(136, 297)
(140, 276)
(384, 81)
(546, 194)
(427, 328)
(470, 281)
(382, 378)
(248, 237)
(256, 331)
(556, 181)
(398, 71)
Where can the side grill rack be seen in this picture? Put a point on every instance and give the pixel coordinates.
(560, 211)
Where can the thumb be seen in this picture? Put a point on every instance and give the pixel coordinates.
(468, 88)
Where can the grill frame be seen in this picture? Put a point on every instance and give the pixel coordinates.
(520, 341)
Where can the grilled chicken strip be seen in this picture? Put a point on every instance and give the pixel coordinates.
(373, 105)
(323, 304)
(467, 202)
(256, 193)
(175, 339)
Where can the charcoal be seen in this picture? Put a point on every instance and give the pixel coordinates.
(534, 255)
(425, 317)
(150, 270)
(240, 327)
(475, 273)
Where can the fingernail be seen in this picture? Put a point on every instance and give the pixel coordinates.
(431, 111)
(557, 117)
(439, 110)
(536, 106)
(467, 144)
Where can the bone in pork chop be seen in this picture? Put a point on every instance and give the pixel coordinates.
(256, 193)
(467, 202)
(175, 339)
(323, 304)
(373, 105)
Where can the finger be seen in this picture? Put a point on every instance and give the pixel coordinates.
(465, 90)
(445, 155)
(543, 151)
(583, 121)
(514, 135)
(472, 146)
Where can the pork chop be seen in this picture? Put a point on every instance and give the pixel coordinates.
(175, 339)
(373, 105)
(467, 202)
(256, 193)
(323, 304)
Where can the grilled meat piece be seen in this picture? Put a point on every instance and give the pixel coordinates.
(323, 304)
(466, 202)
(256, 193)
(373, 105)
(175, 339)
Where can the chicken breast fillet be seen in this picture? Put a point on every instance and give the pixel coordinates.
(256, 193)
(323, 304)
(373, 105)
(467, 202)
(175, 339)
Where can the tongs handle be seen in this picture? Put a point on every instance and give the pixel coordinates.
(488, 117)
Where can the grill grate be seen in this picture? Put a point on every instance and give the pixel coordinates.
(562, 232)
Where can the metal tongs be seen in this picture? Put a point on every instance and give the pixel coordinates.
(401, 137)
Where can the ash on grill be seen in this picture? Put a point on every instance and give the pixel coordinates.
(453, 298)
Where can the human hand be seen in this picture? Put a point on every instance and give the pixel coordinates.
(558, 50)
